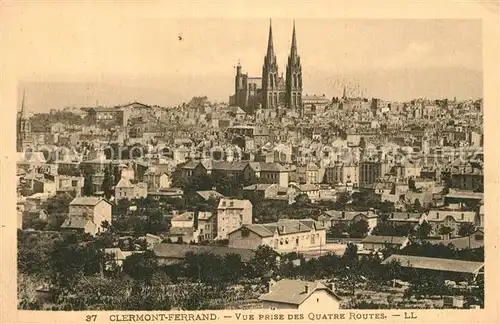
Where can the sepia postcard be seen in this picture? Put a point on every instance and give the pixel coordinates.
(249, 161)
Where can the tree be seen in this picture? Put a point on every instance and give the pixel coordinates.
(232, 268)
(141, 266)
(88, 186)
(338, 229)
(466, 229)
(72, 258)
(424, 230)
(107, 183)
(358, 229)
(343, 199)
(417, 207)
(392, 271)
(445, 230)
(302, 199)
(264, 261)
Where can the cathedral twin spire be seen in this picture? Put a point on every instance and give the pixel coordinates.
(293, 85)
(270, 44)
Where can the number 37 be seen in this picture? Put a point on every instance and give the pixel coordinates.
(90, 318)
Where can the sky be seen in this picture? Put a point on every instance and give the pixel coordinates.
(84, 62)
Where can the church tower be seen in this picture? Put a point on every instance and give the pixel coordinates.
(270, 86)
(23, 127)
(294, 76)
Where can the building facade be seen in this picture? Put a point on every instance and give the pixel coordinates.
(271, 90)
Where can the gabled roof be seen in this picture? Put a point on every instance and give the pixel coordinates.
(207, 194)
(86, 201)
(190, 165)
(440, 215)
(76, 223)
(340, 215)
(177, 231)
(124, 183)
(258, 186)
(405, 216)
(449, 265)
(204, 215)
(283, 227)
(293, 292)
(179, 251)
(187, 216)
(225, 203)
(399, 240)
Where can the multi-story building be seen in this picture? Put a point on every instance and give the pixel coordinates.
(286, 235)
(232, 214)
(452, 219)
(124, 189)
(87, 214)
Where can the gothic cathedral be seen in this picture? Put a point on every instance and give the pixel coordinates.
(271, 91)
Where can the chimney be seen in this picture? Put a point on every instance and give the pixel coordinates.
(331, 285)
(306, 288)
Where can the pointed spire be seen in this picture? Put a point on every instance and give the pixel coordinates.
(293, 51)
(270, 48)
(22, 103)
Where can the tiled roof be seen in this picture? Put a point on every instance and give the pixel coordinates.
(85, 201)
(207, 194)
(187, 216)
(179, 251)
(225, 203)
(124, 183)
(449, 265)
(384, 239)
(440, 215)
(340, 215)
(293, 291)
(283, 226)
(400, 216)
(175, 231)
(75, 222)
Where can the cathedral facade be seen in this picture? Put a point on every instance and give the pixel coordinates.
(271, 90)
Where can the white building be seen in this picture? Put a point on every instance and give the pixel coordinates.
(314, 297)
(231, 215)
(286, 235)
(87, 214)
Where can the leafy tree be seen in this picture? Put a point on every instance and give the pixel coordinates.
(107, 183)
(392, 271)
(34, 252)
(424, 230)
(351, 252)
(338, 229)
(358, 229)
(72, 258)
(141, 266)
(302, 199)
(342, 199)
(417, 207)
(445, 230)
(466, 229)
(264, 261)
(232, 268)
(88, 186)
